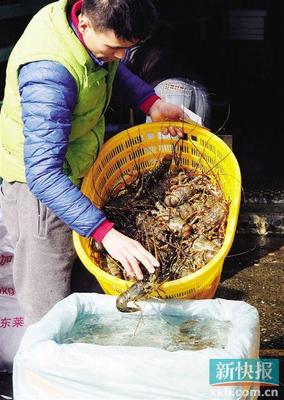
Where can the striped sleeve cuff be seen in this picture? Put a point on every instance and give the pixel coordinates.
(102, 230)
(147, 104)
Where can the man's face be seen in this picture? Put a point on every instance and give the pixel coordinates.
(104, 45)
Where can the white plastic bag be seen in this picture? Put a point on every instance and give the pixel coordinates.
(44, 369)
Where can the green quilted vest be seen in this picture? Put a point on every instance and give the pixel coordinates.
(49, 37)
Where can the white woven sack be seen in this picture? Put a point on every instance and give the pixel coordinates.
(44, 369)
(6, 250)
(11, 318)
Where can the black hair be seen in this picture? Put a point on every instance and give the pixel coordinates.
(129, 19)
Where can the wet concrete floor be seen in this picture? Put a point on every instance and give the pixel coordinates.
(253, 272)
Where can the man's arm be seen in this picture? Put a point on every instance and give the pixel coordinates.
(139, 94)
(133, 90)
(48, 97)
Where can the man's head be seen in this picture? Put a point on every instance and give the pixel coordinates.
(109, 27)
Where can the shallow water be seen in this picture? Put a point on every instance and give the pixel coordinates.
(167, 332)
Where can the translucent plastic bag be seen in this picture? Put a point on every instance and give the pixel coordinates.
(190, 94)
(45, 369)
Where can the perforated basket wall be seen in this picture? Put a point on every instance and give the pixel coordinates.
(139, 148)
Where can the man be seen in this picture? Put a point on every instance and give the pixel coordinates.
(58, 85)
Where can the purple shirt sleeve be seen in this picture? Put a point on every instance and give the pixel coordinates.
(131, 88)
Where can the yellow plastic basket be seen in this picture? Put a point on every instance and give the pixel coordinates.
(140, 147)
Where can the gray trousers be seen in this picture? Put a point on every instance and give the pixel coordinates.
(43, 250)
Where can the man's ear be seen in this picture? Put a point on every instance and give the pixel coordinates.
(83, 24)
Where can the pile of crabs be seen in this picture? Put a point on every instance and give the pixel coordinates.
(177, 214)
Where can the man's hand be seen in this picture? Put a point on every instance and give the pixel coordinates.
(129, 252)
(163, 111)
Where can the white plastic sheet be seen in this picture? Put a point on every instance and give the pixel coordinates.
(44, 369)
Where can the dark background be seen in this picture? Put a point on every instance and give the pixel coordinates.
(239, 61)
(234, 48)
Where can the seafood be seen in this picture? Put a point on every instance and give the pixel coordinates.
(110, 265)
(181, 192)
(190, 336)
(152, 177)
(137, 291)
(177, 215)
(161, 170)
(97, 246)
(216, 216)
